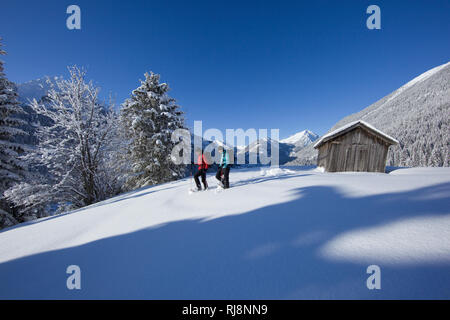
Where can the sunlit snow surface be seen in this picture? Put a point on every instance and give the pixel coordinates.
(277, 233)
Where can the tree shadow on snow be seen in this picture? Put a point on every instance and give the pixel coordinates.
(268, 253)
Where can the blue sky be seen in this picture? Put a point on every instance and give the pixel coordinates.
(291, 65)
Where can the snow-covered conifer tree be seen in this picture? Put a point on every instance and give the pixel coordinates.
(12, 169)
(148, 119)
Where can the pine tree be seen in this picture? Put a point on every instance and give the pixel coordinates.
(148, 119)
(12, 169)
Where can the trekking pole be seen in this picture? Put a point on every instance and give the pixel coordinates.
(192, 184)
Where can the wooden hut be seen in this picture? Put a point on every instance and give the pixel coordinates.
(356, 146)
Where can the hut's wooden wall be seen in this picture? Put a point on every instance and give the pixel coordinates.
(356, 150)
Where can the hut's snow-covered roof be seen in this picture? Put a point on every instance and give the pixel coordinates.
(350, 126)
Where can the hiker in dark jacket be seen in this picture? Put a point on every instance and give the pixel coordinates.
(223, 172)
(202, 168)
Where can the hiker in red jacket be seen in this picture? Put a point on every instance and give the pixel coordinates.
(202, 168)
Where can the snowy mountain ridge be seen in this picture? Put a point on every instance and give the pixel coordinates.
(302, 138)
(264, 145)
(35, 89)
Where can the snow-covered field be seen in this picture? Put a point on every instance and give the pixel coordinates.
(289, 233)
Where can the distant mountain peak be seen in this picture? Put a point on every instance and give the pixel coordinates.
(35, 89)
(303, 137)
